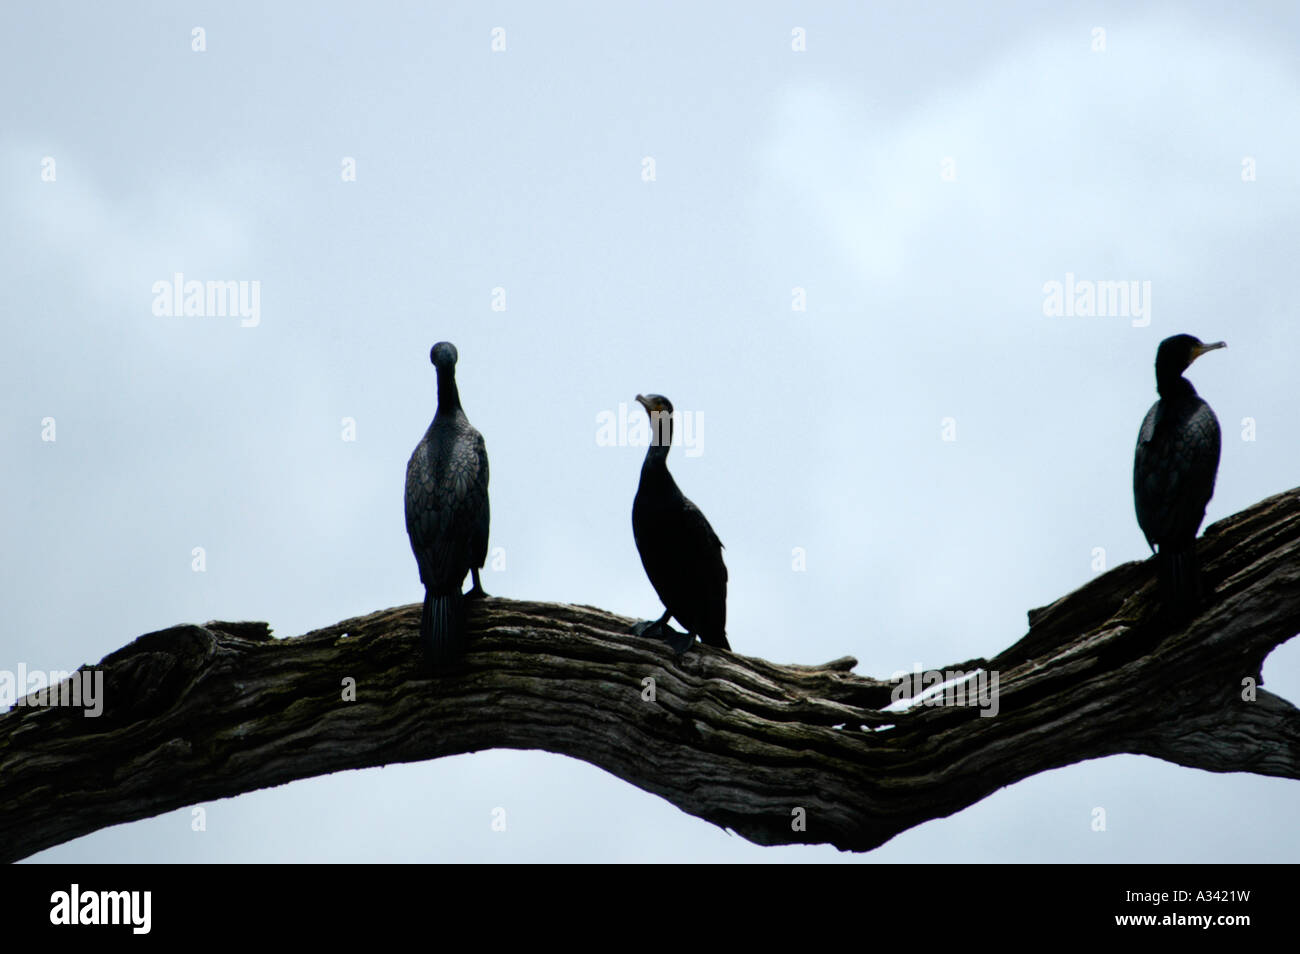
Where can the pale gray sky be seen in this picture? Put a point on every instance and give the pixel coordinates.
(921, 171)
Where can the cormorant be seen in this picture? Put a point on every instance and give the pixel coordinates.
(681, 553)
(1174, 467)
(447, 513)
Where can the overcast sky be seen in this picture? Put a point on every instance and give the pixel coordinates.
(920, 171)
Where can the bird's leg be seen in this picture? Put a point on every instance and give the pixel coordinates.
(650, 628)
(476, 591)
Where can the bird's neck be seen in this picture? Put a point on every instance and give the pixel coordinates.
(656, 460)
(661, 439)
(448, 396)
(1173, 386)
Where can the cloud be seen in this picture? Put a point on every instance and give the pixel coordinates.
(1055, 150)
(117, 241)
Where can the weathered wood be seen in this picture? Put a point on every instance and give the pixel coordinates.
(195, 713)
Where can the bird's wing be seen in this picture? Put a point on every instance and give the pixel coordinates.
(700, 530)
(708, 569)
(1174, 471)
(424, 516)
(479, 494)
(1146, 478)
(1202, 446)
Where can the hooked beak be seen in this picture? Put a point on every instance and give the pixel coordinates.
(1200, 349)
(644, 402)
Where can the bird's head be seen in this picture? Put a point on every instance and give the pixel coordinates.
(443, 355)
(1176, 353)
(655, 403)
(660, 410)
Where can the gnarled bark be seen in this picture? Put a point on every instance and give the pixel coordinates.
(779, 753)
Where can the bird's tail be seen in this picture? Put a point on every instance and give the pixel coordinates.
(442, 626)
(1180, 577)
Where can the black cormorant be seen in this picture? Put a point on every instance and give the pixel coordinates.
(447, 513)
(1174, 467)
(681, 553)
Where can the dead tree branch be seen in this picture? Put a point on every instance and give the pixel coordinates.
(195, 713)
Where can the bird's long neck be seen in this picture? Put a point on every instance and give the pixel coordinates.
(448, 396)
(1171, 385)
(656, 458)
(661, 439)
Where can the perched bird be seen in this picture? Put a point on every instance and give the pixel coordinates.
(447, 513)
(1174, 467)
(681, 553)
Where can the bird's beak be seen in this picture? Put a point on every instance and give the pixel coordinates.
(1200, 349)
(644, 402)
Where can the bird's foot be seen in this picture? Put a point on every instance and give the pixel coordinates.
(649, 628)
(477, 593)
(678, 642)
